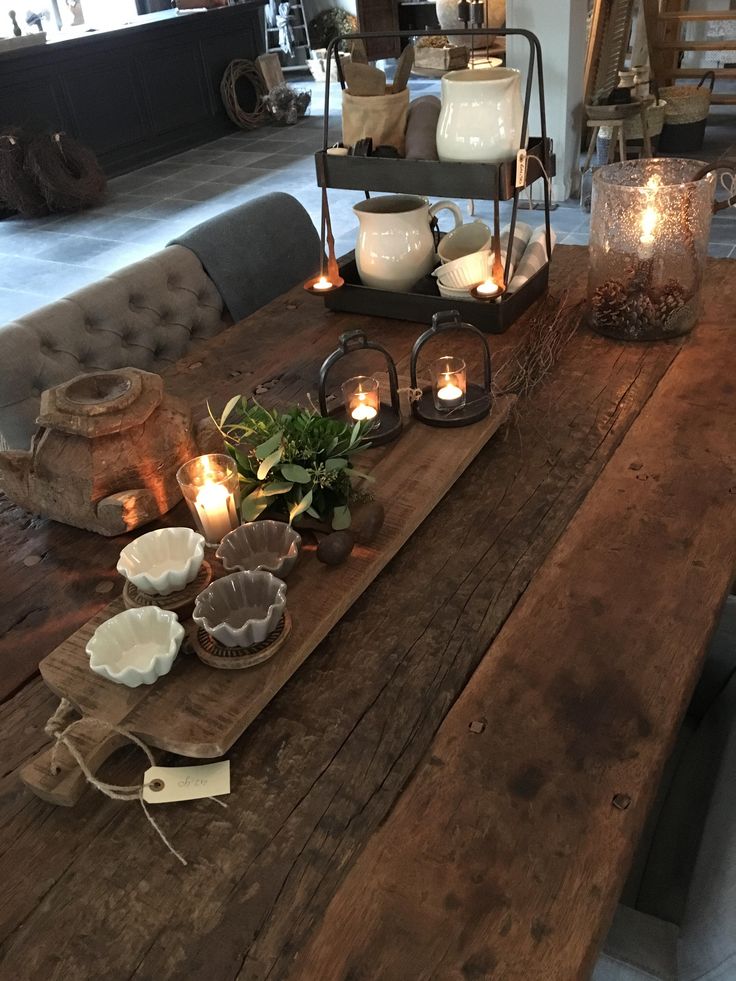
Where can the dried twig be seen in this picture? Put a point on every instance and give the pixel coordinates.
(538, 352)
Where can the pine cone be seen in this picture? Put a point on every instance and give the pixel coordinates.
(622, 313)
(671, 297)
(607, 301)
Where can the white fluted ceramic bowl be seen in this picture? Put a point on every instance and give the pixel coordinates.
(162, 561)
(242, 609)
(271, 546)
(461, 274)
(452, 294)
(136, 647)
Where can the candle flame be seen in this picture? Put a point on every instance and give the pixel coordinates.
(648, 223)
(650, 216)
(323, 283)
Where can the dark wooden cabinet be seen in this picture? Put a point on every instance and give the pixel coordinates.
(136, 94)
(380, 15)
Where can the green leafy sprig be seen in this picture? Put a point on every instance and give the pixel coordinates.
(297, 461)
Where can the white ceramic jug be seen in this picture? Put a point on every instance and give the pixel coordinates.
(395, 245)
(480, 120)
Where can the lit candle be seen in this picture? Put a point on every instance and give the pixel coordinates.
(449, 392)
(649, 218)
(361, 411)
(362, 398)
(449, 386)
(488, 288)
(322, 283)
(210, 485)
(213, 509)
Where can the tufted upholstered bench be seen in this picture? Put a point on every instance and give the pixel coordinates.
(144, 316)
(148, 314)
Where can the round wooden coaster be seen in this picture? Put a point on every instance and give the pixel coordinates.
(214, 654)
(176, 602)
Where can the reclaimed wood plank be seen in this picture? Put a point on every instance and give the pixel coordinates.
(326, 761)
(55, 578)
(505, 856)
(198, 712)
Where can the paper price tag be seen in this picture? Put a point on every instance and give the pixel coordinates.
(166, 784)
(521, 162)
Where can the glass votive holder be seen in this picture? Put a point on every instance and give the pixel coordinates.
(211, 487)
(649, 229)
(449, 383)
(362, 398)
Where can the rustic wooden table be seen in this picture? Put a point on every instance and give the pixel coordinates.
(431, 795)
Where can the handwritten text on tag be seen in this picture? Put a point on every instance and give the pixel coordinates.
(166, 784)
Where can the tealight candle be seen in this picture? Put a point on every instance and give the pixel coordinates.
(449, 383)
(362, 398)
(210, 485)
(488, 288)
(322, 283)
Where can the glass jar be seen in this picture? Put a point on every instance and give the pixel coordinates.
(649, 228)
(449, 383)
(211, 487)
(362, 398)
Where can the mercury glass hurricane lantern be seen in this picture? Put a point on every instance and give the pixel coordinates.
(649, 229)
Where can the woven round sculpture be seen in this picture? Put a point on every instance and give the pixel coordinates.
(18, 190)
(235, 72)
(66, 172)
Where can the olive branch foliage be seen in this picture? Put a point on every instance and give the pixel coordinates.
(297, 461)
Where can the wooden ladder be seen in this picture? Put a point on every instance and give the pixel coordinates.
(664, 19)
(301, 38)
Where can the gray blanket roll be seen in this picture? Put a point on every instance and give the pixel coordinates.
(421, 128)
(256, 251)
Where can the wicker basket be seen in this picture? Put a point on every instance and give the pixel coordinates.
(633, 129)
(686, 115)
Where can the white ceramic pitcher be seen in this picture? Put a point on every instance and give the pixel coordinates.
(480, 120)
(395, 245)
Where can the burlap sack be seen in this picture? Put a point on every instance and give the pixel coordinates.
(380, 117)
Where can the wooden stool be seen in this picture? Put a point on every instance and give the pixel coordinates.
(613, 124)
(615, 118)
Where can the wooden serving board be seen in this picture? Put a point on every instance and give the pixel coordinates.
(197, 711)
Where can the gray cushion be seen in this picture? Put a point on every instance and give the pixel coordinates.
(638, 947)
(256, 251)
(720, 663)
(145, 316)
(708, 931)
(687, 888)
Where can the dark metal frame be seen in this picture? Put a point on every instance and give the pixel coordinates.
(486, 181)
(388, 426)
(478, 400)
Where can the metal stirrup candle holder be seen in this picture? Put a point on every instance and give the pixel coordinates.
(388, 421)
(475, 402)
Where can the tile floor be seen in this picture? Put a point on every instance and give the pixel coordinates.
(44, 259)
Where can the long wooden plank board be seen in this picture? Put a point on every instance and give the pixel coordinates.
(198, 711)
(505, 855)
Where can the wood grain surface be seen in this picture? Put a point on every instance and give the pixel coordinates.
(505, 849)
(55, 577)
(91, 894)
(199, 712)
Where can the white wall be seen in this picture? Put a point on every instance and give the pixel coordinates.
(560, 27)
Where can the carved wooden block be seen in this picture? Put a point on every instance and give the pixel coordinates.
(106, 455)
